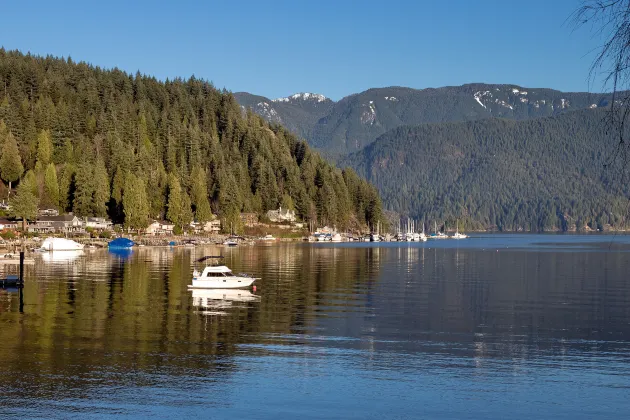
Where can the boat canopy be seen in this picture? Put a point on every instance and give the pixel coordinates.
(121, 243)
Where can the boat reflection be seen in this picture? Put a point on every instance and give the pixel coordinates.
(61, 256)
(215, 301)
(122, 253)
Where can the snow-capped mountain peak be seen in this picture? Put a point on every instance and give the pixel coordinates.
(303, 96)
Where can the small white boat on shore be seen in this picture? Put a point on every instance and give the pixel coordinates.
(336, 238)
(60, 244)
(268, 238)
(218, 276)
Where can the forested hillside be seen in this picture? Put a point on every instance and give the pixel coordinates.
(542, 174)
(104, 142)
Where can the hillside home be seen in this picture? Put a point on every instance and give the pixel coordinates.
(66, 223)
(280, 215)
(97, 223)
(160, 228)
(212, 226)
(48, 212)
(8, 224)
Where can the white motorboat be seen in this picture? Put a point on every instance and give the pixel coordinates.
(336, 238)
(268, 238)
(218, 276)
(60, 244)
(375, 237)
(230, 243)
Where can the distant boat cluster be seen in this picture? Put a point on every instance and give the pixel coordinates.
(407, 231)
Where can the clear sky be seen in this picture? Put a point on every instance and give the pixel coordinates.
(276, 48)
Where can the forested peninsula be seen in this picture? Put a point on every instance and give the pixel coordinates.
(99, 142)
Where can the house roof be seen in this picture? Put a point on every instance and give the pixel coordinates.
(61, 218)
(8, 222)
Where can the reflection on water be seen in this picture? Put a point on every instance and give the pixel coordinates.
(212, 301)
(60, 256)
(484, 328)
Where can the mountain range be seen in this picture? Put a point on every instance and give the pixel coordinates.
(492, 156)
(355, 121)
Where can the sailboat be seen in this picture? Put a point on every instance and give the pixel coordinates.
(421, 236)
(457, 234)
(438, 235)
(375, 237)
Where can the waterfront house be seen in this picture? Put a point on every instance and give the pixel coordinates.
(280, 215)
(66, 223)
(97, 223)
(212, 226)
(8, 224)
(160, 228)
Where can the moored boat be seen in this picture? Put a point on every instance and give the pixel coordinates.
(218, 276)
(60, 244)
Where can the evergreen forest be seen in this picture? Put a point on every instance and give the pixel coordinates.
(99, 142)
(558, 173)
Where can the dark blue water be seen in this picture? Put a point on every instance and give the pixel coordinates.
(495, 326)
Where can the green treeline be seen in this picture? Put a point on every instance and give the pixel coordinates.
(104, 142)
(554, 173)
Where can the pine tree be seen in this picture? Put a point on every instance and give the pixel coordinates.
(67, 187)
(185, 212)
(51, 186)
(135, 202)
(200, 196)
(10, 163)
(83, 200)
(101, 189)
(30, 179)
(24, 203)
(173, 214)
(44, 148)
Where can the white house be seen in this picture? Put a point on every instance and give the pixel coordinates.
(98, 223)
(212, 226)
(280, 215)
(160, 228)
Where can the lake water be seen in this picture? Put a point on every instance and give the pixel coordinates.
(492, 327)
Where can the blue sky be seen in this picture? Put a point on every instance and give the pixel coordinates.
(276, 48)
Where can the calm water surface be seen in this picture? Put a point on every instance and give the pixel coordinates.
(494, 327)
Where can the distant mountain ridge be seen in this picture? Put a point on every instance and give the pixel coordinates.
(355, 121)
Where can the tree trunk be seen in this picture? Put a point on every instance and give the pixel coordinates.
(24, 224)
(9, 191)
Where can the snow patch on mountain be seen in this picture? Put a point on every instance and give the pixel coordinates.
(369, 115)
(267, 111)
(391, 98)
(479, 95)
(503, 103)
(593, 106)
(303, 96)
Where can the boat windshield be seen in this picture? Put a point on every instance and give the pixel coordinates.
(223, 274)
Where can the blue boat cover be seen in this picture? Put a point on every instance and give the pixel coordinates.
(121, 243)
